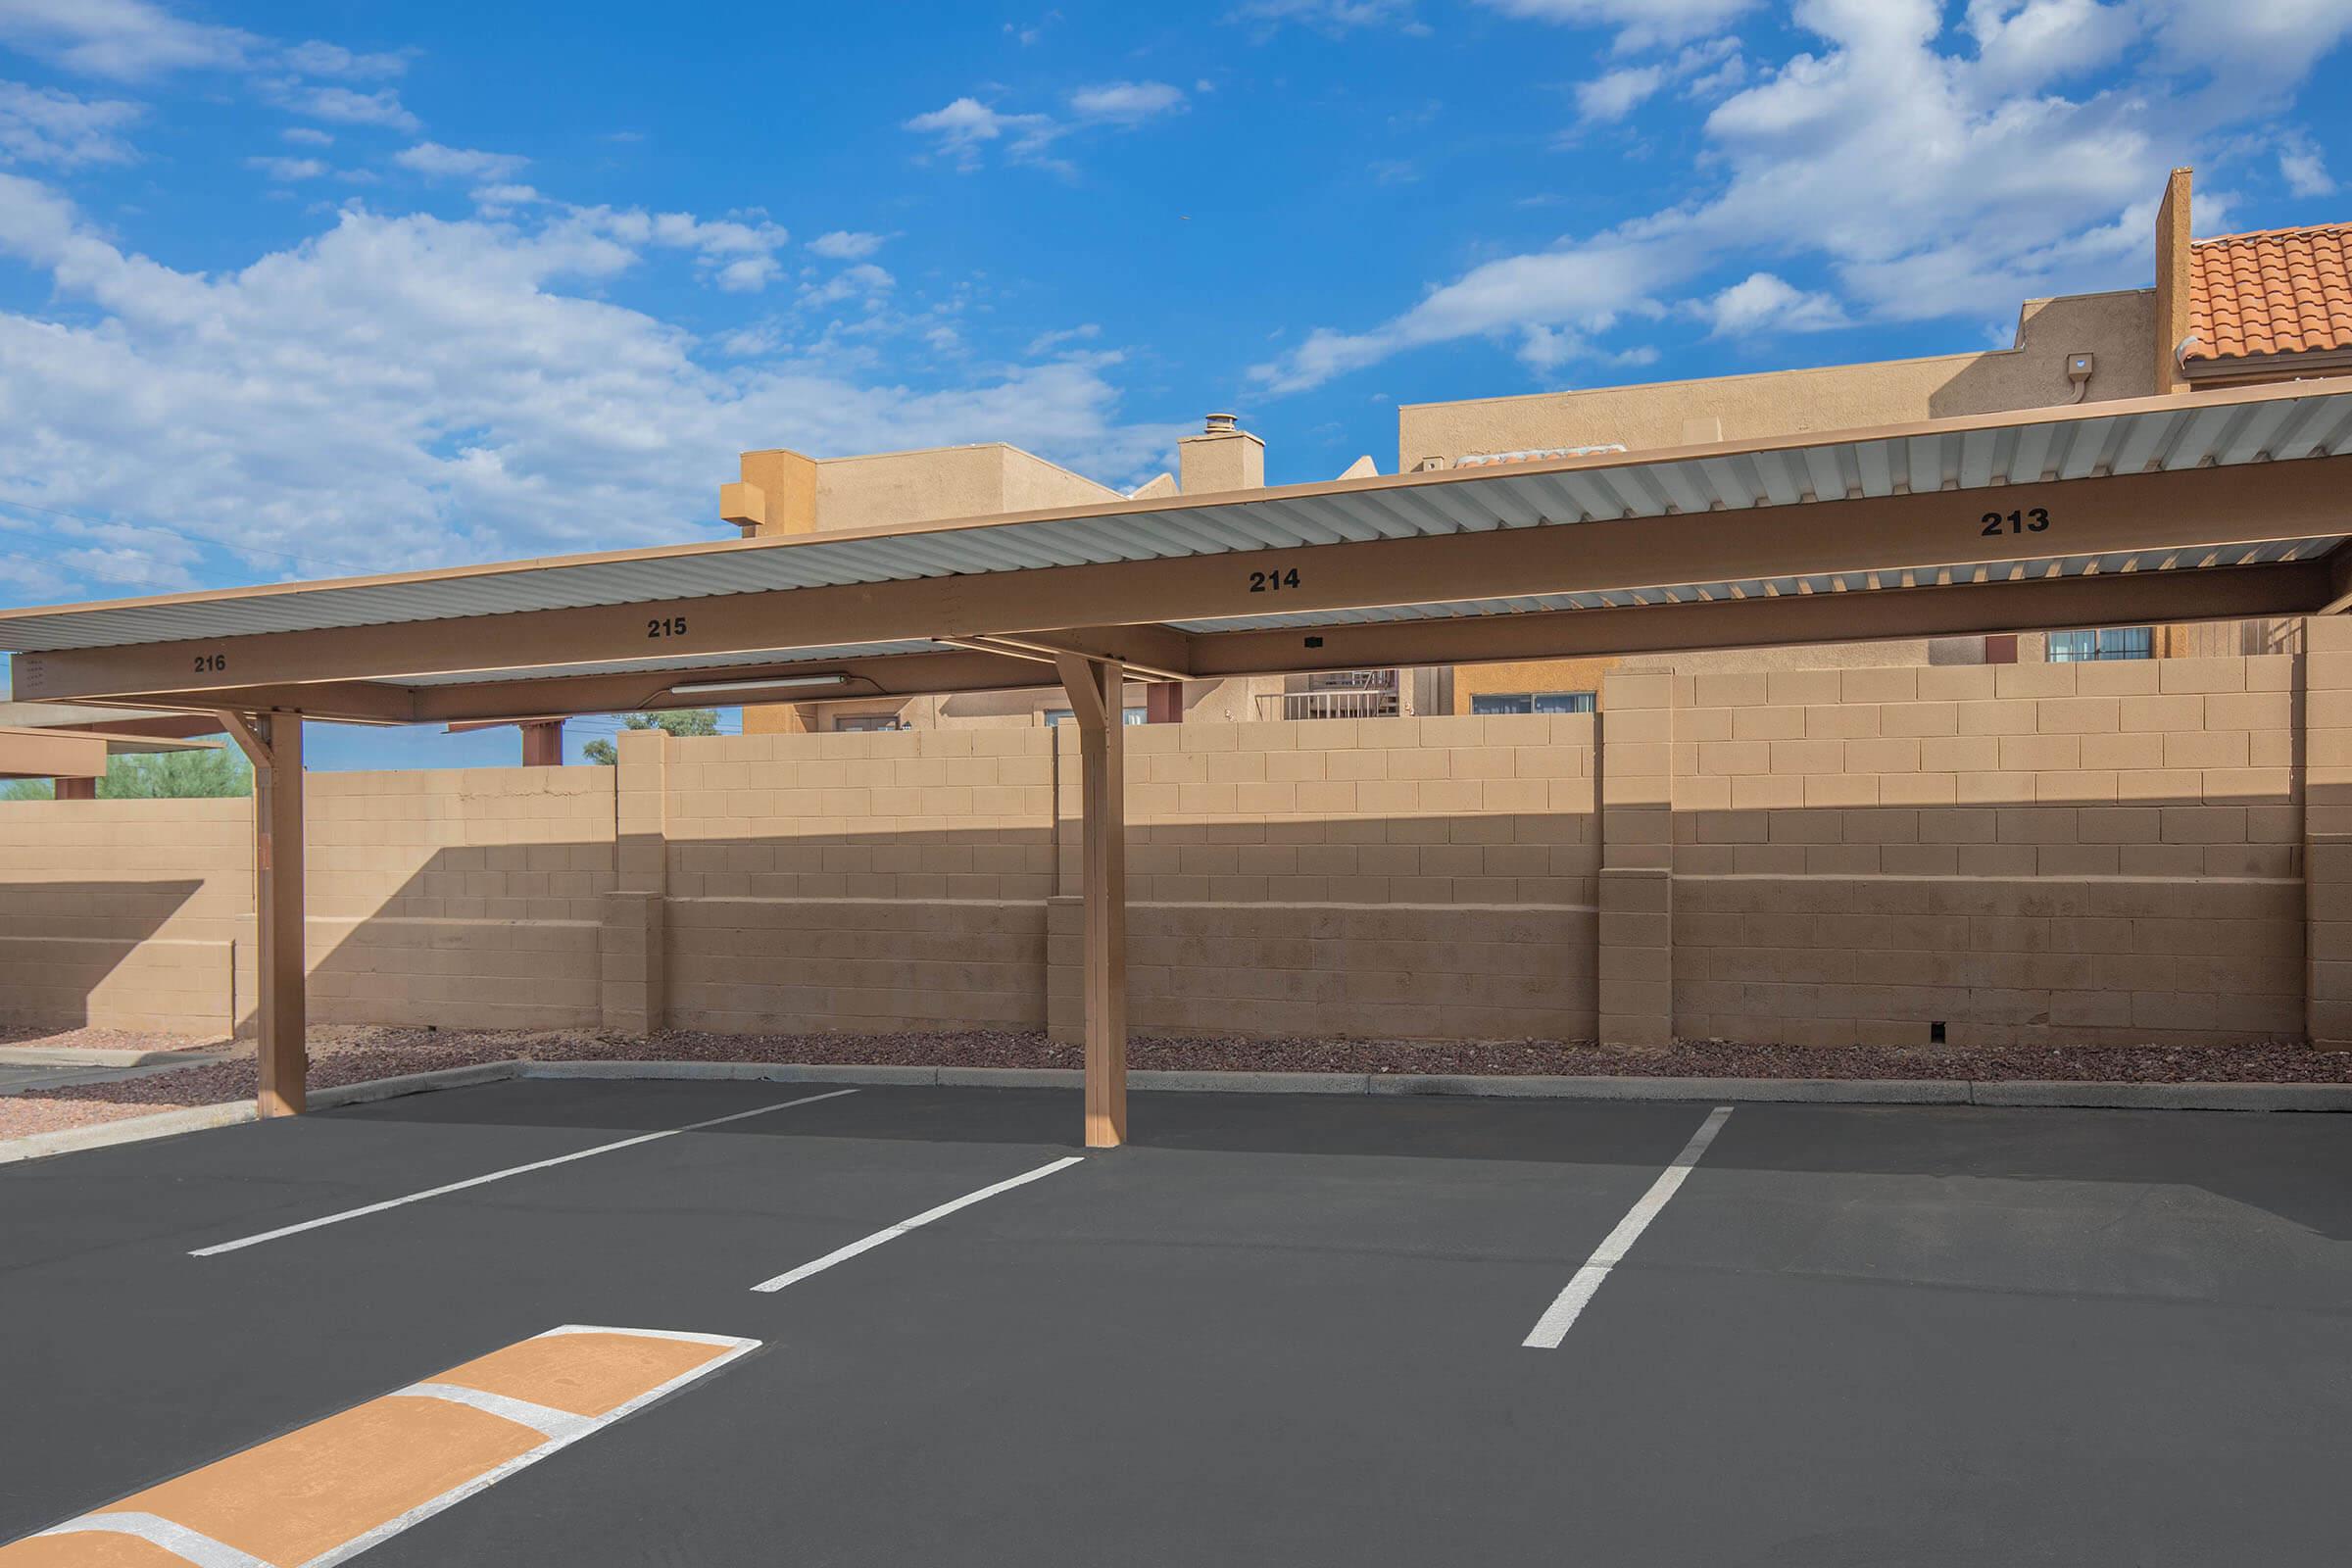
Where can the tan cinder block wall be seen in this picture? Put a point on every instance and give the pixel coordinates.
(858, 881)
(2028, 853)
(2033, 853)
(1401, 878)
(458, 897)
(123, 914)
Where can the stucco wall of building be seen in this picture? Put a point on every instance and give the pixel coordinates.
(2031, 373)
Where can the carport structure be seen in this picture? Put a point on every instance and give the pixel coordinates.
(2218, 507)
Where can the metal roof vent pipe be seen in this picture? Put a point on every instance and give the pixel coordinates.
(1222, 456)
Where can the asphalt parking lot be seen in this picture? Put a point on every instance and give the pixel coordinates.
(1281, 1330)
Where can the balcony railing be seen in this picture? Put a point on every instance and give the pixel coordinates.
(1359, 703)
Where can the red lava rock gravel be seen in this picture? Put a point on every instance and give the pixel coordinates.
(349, 1055)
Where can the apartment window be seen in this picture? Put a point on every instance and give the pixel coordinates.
(1063, 715)
(2116, 641)
(1532, 703)
(868, 723)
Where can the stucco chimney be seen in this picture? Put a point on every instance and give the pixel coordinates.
(2171, 282)
(1222, 456)
(777, 494)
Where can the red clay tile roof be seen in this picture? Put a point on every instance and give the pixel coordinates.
(2286, 291)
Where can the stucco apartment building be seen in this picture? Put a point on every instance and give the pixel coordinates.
(2223, 312)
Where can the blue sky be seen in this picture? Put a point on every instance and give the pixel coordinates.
(295, 291)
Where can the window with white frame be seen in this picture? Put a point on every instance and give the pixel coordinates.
(1532, 703)
(2114, 642)
(1063, 715)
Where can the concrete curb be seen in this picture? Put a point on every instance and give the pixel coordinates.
(1256, 1082)
(64, 1056)
(2164, 1096)
(775, 1072)
(129, 1130)
(413, 1083)
(1799, 1091)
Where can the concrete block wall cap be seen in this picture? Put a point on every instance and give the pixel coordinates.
(129, 1130)
(2166, 1096)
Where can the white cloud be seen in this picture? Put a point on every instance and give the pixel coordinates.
(964, 129)
(1911, 163)
(500, 200)
(317, 59)
(308, 136)
(1578, 290)
(431, 159)
(1763, 303)
(2025, 43)
(43, 125)
(864, 282)
(2303, 167)
(748, 275)
(1618, 93)
(345, 106)
(1708, 68)
(846, 245)
(287, 169)
(1330, 16)
(1047, 342)
(128, 40)
(1639, 24)
(1126, 102)
(961, 128)
(408, 391)
(2249, 46)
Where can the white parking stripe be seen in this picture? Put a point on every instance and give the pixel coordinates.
(501, 1175)
(1558, 1318)
(540, 1418)
(178, 1540)
(869, 1243)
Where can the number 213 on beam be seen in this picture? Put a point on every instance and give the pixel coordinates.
(1997, 523)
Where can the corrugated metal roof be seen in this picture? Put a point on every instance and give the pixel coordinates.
(2027, 447)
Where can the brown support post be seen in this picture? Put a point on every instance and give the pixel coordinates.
(273, 744)
(542, 743)
(1095, 692)
(76, 789)
(1163, 703)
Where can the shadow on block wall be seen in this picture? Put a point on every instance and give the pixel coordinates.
(79, 953)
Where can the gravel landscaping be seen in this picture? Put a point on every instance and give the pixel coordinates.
(354, 1055)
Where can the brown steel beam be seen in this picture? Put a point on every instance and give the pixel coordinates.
(2231, 592)
(2085, 516)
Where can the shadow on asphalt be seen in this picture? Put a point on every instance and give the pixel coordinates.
(2298, 1167)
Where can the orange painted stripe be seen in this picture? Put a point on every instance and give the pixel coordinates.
(300, 1494)
(335, 1486)
(582, 1373)
(90, 1550)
